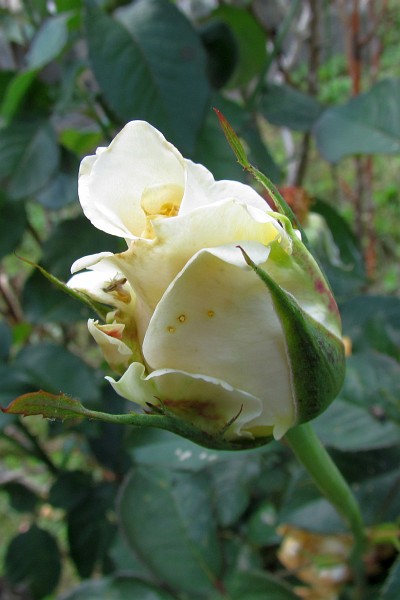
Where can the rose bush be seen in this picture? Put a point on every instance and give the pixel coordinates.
(193, 328)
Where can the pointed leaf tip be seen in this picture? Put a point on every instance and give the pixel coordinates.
(49, 406)
(233, 139)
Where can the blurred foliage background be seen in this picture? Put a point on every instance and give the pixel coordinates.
(95, 511)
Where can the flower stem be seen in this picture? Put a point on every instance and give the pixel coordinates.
(312, 455)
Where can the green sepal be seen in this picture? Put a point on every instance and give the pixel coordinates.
(316, 356)
(100, 309)
(240, 153)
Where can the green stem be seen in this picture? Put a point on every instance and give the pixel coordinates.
(179, 427)
(311, 453)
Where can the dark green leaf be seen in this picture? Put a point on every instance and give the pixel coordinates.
(262, 525)
(22, 498)
(151, 65)
(373, 383)
(11, 213)
(232, 484)
(391, 588)
(15, 93)
(337, 251)
(67, 373)
(250, 40)
(5, 340)
(91, 529)
(29, 157)
(81, 238)
(349, 427)
(166, 517)
(285, 106)
(165, 449)
(43, 302)
(70, 488)
(257, 585)
(61, 190)
(222, 52)
(117, 588)
(126, 560)
(367, 124)
(373, 322)
(33, 559)
(48, 42)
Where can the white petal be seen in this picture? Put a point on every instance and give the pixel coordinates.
(103, 282)
(88, 261)
(111, 183)
(150, 266)
(109, 338)
(204, 401)
(201, 189)
(218, 320)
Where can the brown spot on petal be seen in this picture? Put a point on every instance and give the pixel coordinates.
(170, 329)
(204, 410)
(182, 318)
(210, 313)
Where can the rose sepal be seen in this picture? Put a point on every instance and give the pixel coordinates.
(316, 355)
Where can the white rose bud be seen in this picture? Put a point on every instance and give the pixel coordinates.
(228, 322)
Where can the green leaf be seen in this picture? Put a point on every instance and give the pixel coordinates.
(33, 559)
(373, 322)
(10, 236)
(367, 124)
(21, 497)
(43, 303)
(222, 52)
(251, 43)
(373, 383)
(349, 427)
(166, 517)
(41, 311)
(70, 489)
(232, 487)
(343, 264)
(165, 449)
(262, 525)
(91, 529)
(15, 93)
(68, 372)
(50, 406)
(59, 192)
(29, 157)
(81, 238)
(150, 65)
(257, 585)
(49, 41)
(285, 106)
(117, 588)
(391, 587)
(5, 340)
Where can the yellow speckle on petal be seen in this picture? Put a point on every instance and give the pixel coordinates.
(210, 313)
(170, 329)
(182, 318)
